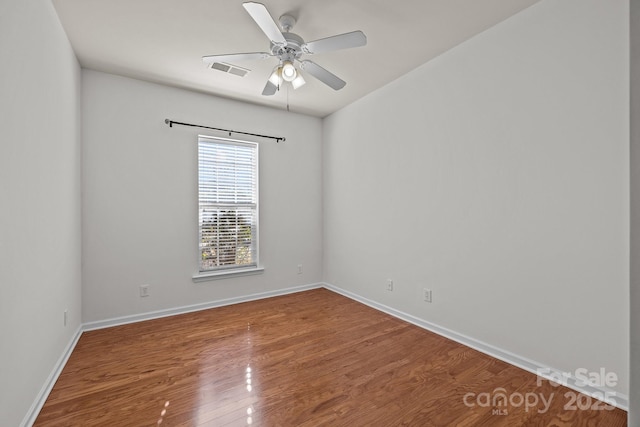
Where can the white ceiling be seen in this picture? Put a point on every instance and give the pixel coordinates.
(163, 41)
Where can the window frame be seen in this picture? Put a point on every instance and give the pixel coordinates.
(236, 269)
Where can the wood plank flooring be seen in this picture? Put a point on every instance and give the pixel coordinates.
(306, 359)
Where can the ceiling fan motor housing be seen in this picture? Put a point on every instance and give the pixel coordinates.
(291, 50)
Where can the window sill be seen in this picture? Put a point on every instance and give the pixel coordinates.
(226, 274)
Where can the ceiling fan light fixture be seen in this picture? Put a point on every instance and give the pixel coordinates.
(276, 76)
(289, 72)
(298, 81)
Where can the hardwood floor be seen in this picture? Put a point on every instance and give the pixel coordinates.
(306, 359)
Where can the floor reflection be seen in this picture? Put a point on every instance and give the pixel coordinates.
(248, 374)
(227, 389)
(163, 412)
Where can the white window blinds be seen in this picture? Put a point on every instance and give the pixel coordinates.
(228, 203)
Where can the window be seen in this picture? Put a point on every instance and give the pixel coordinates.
(228, 204)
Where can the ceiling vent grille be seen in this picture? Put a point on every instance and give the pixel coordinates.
(231, 69)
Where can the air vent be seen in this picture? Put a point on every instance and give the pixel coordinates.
(231, 69)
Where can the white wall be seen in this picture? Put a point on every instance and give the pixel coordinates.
(634, 389)
(497, 175)
(39, 201)
(140, 196)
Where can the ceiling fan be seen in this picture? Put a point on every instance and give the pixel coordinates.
(289, 48)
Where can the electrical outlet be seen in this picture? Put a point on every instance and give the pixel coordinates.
(389, 285)
(299, 268)
(66, 316)
(427, 295)
(144, 291)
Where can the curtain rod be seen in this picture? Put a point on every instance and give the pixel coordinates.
(172, 122)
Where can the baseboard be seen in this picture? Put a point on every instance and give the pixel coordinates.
(621, 400)
(37, 405)
(101, 324)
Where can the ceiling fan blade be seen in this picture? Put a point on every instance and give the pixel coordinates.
(269, 89)
(261, 15)
(323, 75)
(235, 57)
(342, 41)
